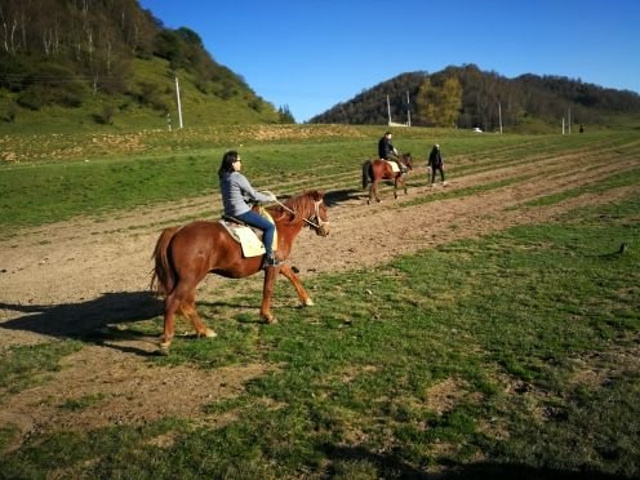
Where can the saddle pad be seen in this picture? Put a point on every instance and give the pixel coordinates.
(251, 245)
(394, 166)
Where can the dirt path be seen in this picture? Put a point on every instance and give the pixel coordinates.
(72, 276)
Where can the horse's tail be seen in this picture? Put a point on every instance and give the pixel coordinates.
(164, 275)
(366, 166)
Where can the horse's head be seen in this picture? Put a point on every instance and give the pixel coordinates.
(320, 219)
(310, 208)
(407, 160)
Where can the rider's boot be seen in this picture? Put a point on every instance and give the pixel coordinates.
(271, 261)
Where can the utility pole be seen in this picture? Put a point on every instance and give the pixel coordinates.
(408, 111)
(500, 116)
(563, 125)
(389, 109)
(569, 119)
(179, 104)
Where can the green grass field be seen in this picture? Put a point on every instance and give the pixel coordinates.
(514, 355)
(533, 332)
(87, 179)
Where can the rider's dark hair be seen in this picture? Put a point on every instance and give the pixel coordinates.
(228, 160)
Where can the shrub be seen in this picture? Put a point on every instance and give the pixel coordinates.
(10, 113)
(32, 98)
(105, 116)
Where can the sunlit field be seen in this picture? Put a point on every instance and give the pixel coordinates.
(511, 354)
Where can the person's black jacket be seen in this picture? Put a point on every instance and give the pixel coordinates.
(385, 148)
(435, 158)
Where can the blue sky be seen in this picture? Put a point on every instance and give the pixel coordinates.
(310, 55)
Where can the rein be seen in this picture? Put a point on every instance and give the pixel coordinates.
(317, 226)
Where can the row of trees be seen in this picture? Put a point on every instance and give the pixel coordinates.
(59, 51)
(468, 97)
(93, 38)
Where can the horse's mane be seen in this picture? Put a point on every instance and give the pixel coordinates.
(302, 204)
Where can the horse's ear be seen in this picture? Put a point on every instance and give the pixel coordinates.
(316, 195)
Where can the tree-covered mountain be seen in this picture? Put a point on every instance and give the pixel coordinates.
(468, 97)
(109, 61)
(82, 63)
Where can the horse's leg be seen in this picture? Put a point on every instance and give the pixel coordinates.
(303, 296)
(171, 304)
(395, 188)
(189, 310)
(181, 301)
(374, 190)
(270, 276)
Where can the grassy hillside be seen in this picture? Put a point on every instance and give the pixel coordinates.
(112, 66)
(153, 94)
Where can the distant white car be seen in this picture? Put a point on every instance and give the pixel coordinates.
(477, 130)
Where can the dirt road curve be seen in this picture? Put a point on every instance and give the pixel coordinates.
(56, 280)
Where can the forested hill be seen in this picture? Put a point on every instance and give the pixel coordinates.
(469, 97)
(110, 61)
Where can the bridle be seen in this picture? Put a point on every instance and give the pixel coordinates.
(318, 224)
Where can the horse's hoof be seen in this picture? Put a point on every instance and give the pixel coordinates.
(307, 303)
(269, 319)
(163, 351)
(208, 333)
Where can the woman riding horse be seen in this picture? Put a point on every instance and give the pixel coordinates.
(185, 255)
(234, 186)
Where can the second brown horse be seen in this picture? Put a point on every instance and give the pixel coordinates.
(376, 170)
(185, 255)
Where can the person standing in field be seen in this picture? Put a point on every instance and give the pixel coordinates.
(436, 163)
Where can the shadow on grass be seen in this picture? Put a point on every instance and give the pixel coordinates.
(392, 466)
(336, 197)
(94, 321)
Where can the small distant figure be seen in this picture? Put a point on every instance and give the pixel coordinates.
(581, 128)
(387, 151)
(436, 164)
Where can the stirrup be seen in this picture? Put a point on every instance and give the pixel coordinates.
(271, 261)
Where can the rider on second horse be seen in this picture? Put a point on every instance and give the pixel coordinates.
(233, 187)
(387, 151)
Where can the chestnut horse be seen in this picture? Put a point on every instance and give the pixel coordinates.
(185, 255)
(375, 170)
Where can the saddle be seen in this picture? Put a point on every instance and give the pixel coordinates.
(249, 238)
(394, 166)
